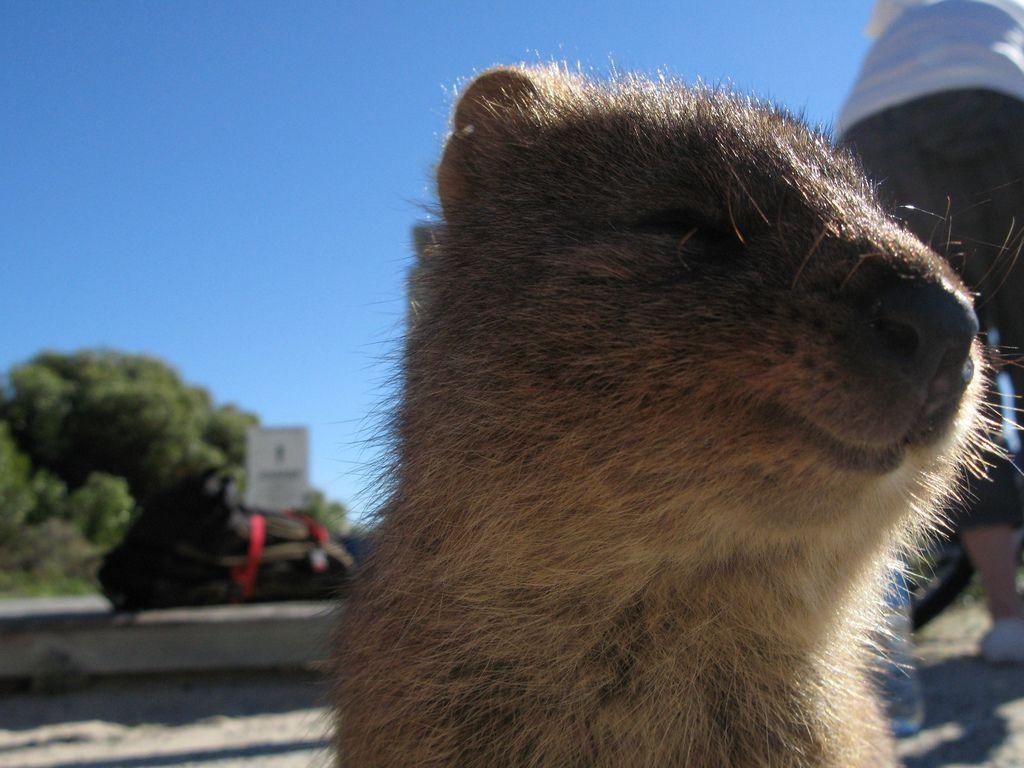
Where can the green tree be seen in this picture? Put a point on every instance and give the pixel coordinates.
(226, 430)
(16, 497)
(36, 404)
(125, 415)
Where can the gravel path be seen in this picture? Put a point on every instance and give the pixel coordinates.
(975, 717)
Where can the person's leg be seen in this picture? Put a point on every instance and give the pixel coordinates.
(988, 533)
(993, 552)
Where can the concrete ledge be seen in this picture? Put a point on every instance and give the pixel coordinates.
(54, 643)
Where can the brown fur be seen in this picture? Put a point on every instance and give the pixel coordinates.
(644, 485)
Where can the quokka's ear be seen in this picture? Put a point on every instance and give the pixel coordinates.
(486, 100)
(489, 95)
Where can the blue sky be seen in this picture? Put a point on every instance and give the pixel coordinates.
(230, 186)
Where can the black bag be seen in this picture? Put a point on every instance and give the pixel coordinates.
(196, 545)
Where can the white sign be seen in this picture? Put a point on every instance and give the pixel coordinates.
(277, 467)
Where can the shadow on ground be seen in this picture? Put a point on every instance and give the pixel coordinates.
(974, 715)
(199, 757)
(169, 702)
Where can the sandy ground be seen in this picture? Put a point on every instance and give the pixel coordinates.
(975, 716)
(272, 721)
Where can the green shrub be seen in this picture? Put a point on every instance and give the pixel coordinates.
(52, 558)
(51, 497)
(102, 509)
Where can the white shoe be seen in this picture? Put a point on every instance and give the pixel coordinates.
(1004, 643)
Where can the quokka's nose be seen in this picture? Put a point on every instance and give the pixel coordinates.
(925, 331)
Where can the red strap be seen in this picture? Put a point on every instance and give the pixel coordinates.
(317, 557)
(317, 532)
(245, 575)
